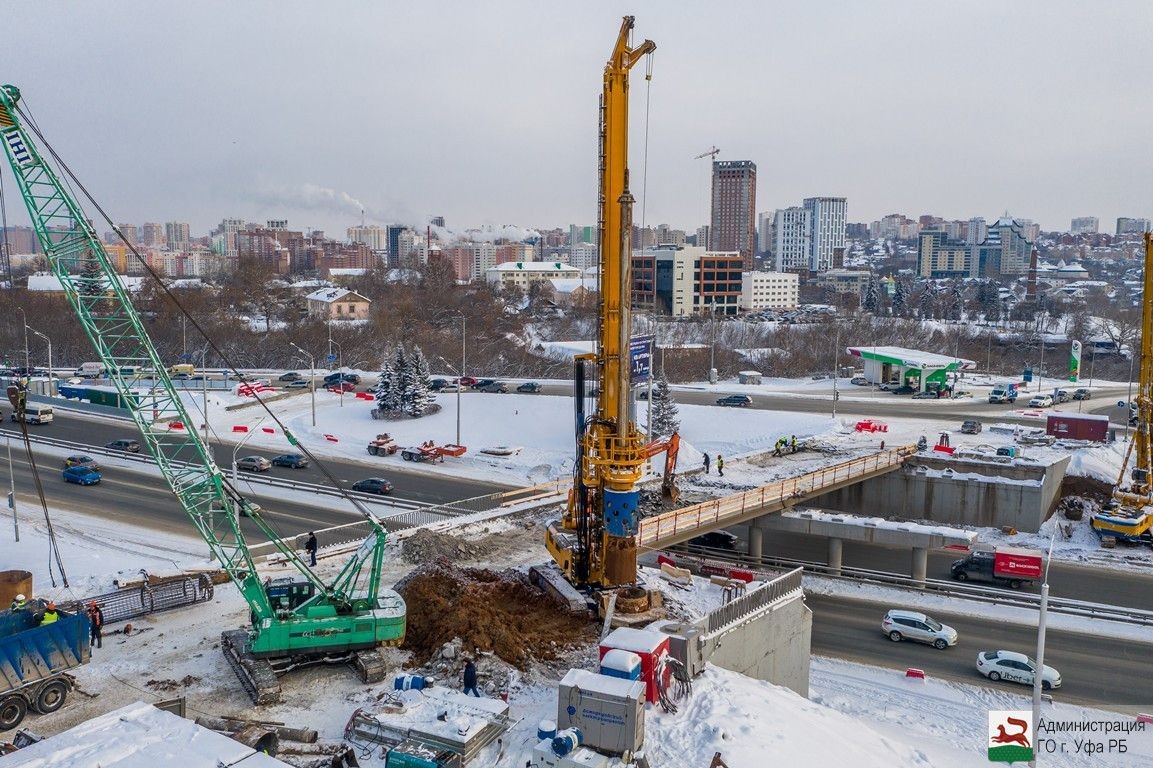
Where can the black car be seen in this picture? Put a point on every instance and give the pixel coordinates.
(529, 386)
(290, 460)
(715, 540)
(735, 401)
(483, 383)
(336, 378)
(494, 387)
(129, 446)
(290, 376)
(904, 390)
(1082, 394)
(437, 384)
(373, 485)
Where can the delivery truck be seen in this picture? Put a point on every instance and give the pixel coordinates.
(1004, 392)
(1011, 567)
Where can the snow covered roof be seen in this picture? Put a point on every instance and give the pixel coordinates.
(535, 266)
(311, 284)
(139, 736)
(43, 281)
(911, 358)
(570, 284)
(346, 272)
(330, 295)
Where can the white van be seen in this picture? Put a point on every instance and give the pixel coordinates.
(90, 370)
(35, 413)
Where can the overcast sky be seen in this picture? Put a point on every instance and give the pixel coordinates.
(485, 112)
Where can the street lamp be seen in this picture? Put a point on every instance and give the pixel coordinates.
(1039, 672)
(240, 445)
(49, 342)
(311, 378)
(12, 486)
(27, 356)
(460, 375)
(836, 366)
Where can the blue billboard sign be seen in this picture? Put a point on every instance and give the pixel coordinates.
(640, 358)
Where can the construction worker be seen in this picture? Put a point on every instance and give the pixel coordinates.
(793, 444)
(706, 463)
(50, 615)
(720, 465)
(20, 603)
(310, 548)
(470, 679)
(96, 625)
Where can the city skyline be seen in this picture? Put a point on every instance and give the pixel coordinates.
(411, 112)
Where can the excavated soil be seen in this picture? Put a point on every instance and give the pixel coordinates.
(425, 546)
(1089, 487)
(499, 613)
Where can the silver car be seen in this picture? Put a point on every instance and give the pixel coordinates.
(254, 464)
(910, 625)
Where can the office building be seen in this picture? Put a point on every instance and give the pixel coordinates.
(769, 290)
(372, 235)
(1004, 251)
(733, 226)
(1084, 225)
(792, 229)
(177, 235)
(687, 281)
(765, 230)
(827, 230)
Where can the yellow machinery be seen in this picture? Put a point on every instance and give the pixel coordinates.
(1131, 515)
(595, 544)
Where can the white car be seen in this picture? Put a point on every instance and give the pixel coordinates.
(1041, 401)
(860, 381)
(1016, 668)
(911, 625)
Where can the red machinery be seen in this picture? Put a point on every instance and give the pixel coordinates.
(383, 445)
(670, 446)
(430, 451)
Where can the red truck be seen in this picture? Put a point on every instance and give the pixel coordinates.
(1007, 566)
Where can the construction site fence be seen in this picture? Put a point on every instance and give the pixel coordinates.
(660, 527)
(780, 588)
(133, 602)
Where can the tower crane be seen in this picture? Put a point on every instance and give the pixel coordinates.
(295, 620)
(1130, 514)
(711, 153)
(595, 542)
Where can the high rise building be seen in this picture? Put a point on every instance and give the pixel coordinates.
(765, 221)
(392, 235)
(372, 235)
(687, 281)
(1130, 226)
(152, 235)
(1084, 225)
(734, 217)
(827, 230)
(1004, 251)
(978, 230)
(792, 229)
(702, 236)
(177, 235)
(437, 221)
(129, 232)
(20, 240)
(939, 256)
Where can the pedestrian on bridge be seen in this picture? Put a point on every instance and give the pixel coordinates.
(706, 463)
(310, 548)
(720, 465)
(793, 444)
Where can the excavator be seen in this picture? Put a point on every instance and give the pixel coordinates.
(1129, 514)
(595, 544)
(295, 620)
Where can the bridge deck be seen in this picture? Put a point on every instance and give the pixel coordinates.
(680, 525)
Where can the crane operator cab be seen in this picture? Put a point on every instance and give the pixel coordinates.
(286, 593)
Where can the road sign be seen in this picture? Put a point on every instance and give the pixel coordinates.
(1028, 375)
(640, 358)
(186, 357)
(332, 358)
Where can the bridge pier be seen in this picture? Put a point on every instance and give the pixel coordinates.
(756, 541)
(836, 548)
(920, 564)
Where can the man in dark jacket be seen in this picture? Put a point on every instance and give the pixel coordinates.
(96, 625)
(310, 548)
(706, 463)
(470, 679)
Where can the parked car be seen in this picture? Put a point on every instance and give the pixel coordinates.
(298, 384)
(482, 383)
(254, 464)
(1041, 401)
(1016, 668)
(81, 475)
(962, 393)
(887, 386)
(860, 381)
(735, 401)
(1062, 396)
(715, 540)
(529, 386)
(450, 387)
(904, 390)
(373, 485)
(80, 460)
(912, 625)
(926, 396)
(290, 460)
(244, 505)
(290, 376)
(126, 445)
(1082, 394)
(437, 384)
(971, 427)
(642, 394)
(334, 378)
(495, 387)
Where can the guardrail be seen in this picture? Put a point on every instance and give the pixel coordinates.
(777, 589)
(690, 520)
(991, 595)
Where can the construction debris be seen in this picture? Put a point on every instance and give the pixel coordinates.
(499, 613)
(426, 546)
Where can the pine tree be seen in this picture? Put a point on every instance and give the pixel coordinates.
(991, 303)
(665, 419)
(872, 296)
(418, 396)
(402, 379)
(957, 301)
(928, 301)
(900, 298)
(386, 386)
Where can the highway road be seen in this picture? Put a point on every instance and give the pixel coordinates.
(430, 488)
(1095, 670)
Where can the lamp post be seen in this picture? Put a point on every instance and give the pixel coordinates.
(27, 356)
(204, 382)
(836, 366)
(339, 366)
(1040, 669)
(311, 378)
(461, 374)
(240, 445)
(49, 342)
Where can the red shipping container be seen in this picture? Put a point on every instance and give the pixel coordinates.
(1010, 563)
(651, 646)
(1078, 426)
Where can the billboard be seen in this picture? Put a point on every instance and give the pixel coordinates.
(1010, 562)
(1075, 362)
(640, 358)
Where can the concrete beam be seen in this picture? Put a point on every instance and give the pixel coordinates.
(856, 529)
(920, 564)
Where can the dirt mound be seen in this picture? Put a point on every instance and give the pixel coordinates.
(494, 612)
(425, 546)
(1089, 487)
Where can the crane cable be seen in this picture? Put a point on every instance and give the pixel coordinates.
(645, 167)
(332, 479)
(5, 247)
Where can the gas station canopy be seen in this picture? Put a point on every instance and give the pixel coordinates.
(885, 365)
